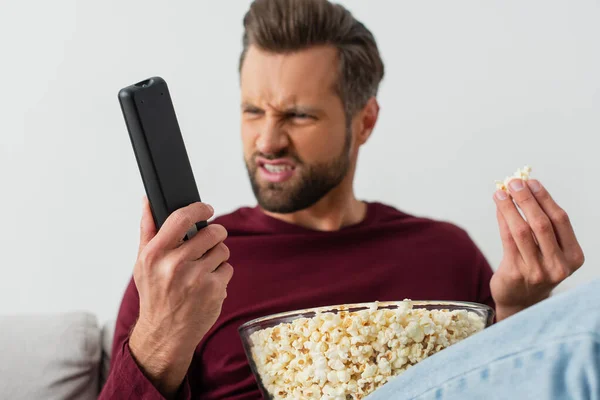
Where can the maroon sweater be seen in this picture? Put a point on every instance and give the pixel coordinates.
(389, 256)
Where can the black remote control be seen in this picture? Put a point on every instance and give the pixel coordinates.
(159, 149)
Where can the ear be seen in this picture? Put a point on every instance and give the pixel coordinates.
(366, 120)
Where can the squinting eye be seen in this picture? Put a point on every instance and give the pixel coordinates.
(252, 111)
(300, 116)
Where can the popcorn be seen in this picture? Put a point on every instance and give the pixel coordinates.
(520, 174)
(347, 355)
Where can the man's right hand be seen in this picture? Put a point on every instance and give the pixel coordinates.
(182, 286)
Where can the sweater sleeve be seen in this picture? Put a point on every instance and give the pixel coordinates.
(484, 273)
(126, 380)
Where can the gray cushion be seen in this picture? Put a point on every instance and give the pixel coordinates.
(51, 356)
(108, 331)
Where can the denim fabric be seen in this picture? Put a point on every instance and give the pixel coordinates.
(549, 351)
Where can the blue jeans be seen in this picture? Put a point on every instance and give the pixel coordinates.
(549, 351)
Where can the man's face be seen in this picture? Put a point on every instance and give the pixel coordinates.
(296, 142)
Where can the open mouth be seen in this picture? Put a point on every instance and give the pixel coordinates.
(276, 170)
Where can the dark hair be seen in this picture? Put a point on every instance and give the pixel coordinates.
(283, 26)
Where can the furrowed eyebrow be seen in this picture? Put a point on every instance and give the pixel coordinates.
(246, 105)
(291, 109)
(299, 109)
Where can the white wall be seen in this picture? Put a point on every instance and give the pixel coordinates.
(473, 91)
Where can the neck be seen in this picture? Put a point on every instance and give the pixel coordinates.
(338, 209)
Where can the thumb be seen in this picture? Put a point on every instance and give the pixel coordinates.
(147, 225)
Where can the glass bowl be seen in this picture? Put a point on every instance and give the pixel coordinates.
(348, 351)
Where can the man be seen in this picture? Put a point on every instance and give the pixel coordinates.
(309, 75)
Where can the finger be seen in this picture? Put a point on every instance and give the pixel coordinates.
(536, 218)
(180, 221)
(213, 258)
(223, 275)
(508, 243)
(147, 225)
(224, 272)
(202, 242)
(517, 267)
(561, 223)
(522, 236)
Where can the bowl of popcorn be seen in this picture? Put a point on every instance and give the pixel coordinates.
(346, 352)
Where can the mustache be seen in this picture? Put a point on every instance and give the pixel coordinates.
(279, 154)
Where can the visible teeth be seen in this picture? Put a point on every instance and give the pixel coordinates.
(277, 168)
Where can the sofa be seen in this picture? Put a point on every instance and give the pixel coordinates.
(54, 356)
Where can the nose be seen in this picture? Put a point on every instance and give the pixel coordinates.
(272, 137)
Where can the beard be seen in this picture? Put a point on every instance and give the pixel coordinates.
(309, 184)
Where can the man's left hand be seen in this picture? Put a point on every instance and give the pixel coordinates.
(540, 250)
